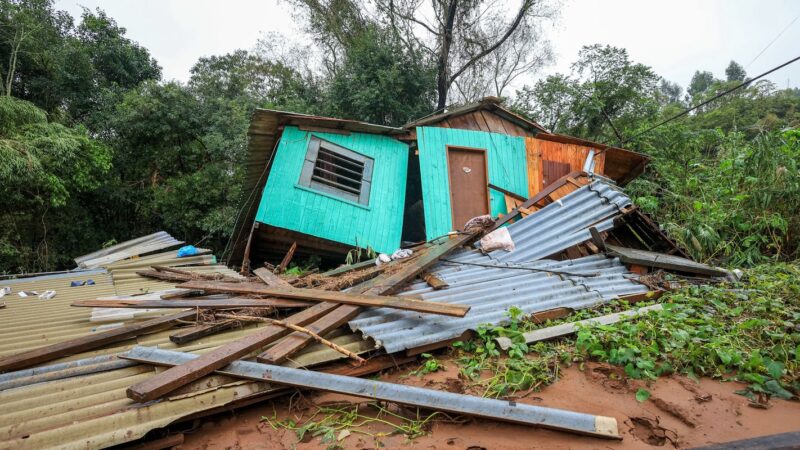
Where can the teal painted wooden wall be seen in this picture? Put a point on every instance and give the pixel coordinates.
(288, 205)
(507, 169)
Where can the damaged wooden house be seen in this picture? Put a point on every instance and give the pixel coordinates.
(330, 185)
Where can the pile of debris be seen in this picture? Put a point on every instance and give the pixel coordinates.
(598, 246)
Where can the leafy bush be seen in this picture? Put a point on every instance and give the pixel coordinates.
(725, 198)
(748, 333)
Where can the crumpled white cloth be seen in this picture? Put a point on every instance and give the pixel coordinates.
(498, 239)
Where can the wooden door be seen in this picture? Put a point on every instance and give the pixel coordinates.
(469, 180)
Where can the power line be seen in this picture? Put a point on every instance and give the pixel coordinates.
(773, 41)
(722, 94)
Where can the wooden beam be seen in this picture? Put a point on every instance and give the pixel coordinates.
(385, 284)
(287, 259)
(571, 327)
(270, 278)
(435, 282)
(346, 298)
(91, 341)
(200, 331)
(227, 303)
(348, 267)
(175, 377)
(507, 192)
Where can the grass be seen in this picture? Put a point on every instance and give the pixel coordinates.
(332, 424)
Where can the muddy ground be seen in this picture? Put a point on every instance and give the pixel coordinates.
(681, 413)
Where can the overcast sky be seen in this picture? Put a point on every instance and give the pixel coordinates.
(674, 37)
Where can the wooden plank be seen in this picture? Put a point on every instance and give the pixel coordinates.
(435, 282)
(287, 259)
(660, 260)
(227, 303)
(386, 284)
(506, 192)
(270, 278)
(91, 341)
(199, 331)
(571, 327)
(175, 377)
(346, 298)
(349, 267)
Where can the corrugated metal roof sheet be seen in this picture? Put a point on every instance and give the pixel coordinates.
(564, 223)
(491, 292)
(80, 402)
(123, 250)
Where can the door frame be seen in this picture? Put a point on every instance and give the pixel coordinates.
(450, 181)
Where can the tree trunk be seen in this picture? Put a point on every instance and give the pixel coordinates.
(443, 65)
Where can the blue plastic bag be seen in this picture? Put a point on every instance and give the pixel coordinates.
(187, 250)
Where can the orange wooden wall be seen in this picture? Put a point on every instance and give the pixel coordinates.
(538, 150)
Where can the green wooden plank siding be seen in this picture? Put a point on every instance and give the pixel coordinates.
(379, 224)
(507, 169)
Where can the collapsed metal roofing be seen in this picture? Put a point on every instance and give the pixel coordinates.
(564, 223)
(492, 283)
(145, 244)
(79, 401)
(492, 291)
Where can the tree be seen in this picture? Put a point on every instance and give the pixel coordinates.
(45, 167)
(701, 81)
(614, 95)
(550, 101)
(380, 83)
(735, 72)
(670, 91)
(459, 37)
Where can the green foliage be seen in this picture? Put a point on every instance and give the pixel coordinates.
(746, 334)
(379, 81)
(430, 365)
(44, 167)
(605, 88)
(724, 197)
(480, 360)
(333, 424)
(642, 395)
(735, 72)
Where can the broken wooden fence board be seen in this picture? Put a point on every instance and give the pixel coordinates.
(202, 304)
(346, 298)
(91, 341)
(271, 279)
(502, 410)
(175, 377)
(385, 284)
(572, 327)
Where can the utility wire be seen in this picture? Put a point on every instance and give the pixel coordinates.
(722, 94)
(773, 41)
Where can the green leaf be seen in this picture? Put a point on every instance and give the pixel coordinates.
(775, 369)
(642, 395)
(775, 388)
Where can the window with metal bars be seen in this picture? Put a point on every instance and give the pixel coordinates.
(336, 170)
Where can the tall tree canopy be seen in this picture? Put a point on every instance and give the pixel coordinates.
(475, 45)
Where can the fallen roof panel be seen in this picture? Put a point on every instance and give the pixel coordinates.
(492, 291)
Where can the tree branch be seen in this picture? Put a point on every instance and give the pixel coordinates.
(526, 5)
